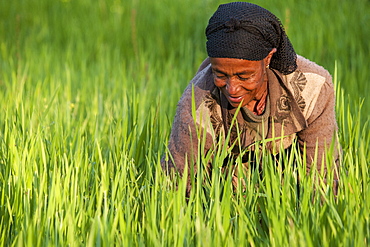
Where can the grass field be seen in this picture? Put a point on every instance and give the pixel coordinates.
(88, 92)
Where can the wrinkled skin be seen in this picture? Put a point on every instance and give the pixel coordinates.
(242, 81)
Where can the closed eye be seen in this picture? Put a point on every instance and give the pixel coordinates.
(243, 78)
(219, 75)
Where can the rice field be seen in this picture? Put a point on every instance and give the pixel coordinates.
(88, 92)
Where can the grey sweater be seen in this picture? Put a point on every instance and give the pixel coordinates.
(301, 108)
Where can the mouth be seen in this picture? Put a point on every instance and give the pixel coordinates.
(235, 99)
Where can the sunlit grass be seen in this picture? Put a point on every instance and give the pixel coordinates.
(88, 93)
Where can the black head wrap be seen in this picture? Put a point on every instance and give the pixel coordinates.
(247, 31)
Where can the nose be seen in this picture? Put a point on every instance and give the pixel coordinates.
(232, 86)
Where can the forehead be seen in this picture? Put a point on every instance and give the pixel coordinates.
(235, 65)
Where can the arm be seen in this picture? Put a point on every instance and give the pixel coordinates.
(188, 132)
(183, 143)
(321, 131)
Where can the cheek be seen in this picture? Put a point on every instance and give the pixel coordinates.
(253, 84)
(250, 86)
(219, 83)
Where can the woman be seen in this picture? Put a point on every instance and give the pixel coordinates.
(254, 76)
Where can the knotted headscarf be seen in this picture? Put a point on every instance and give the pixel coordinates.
(247, 31)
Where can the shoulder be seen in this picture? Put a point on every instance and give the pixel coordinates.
(201, 84)
(311, 85)
(311, 68)
(199, 103)
(317, 77)
(199, 89)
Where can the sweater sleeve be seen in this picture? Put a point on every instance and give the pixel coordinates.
(317, 138)
(188, 140)
(183, 143)
(190, 134)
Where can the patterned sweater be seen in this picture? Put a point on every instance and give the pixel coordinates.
(301, 108)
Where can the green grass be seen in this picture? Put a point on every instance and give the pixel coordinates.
(88, 92)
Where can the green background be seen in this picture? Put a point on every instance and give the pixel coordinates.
(88, 92)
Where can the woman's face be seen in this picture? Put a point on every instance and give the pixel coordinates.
(241, 81)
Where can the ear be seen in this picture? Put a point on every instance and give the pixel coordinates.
(267, 59)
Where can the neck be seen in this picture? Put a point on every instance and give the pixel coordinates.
(260, 105)
(257, 106)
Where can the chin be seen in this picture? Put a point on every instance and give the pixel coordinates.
(233, 104)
